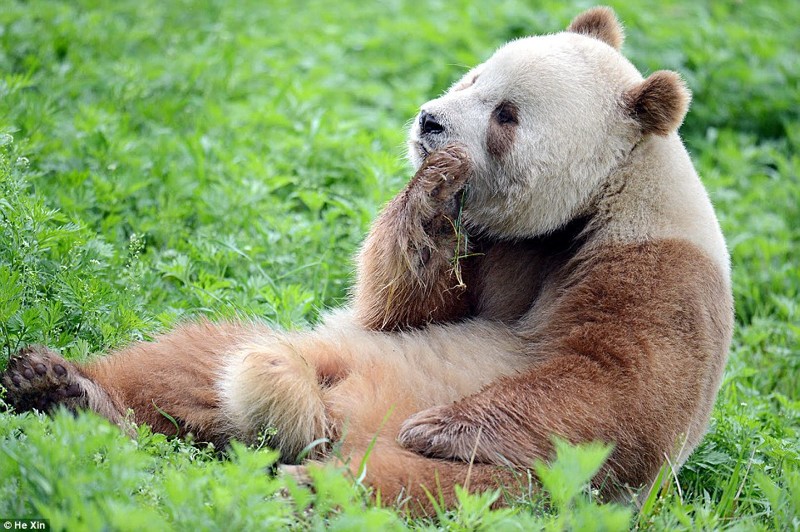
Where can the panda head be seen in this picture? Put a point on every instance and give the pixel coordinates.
(546, 120)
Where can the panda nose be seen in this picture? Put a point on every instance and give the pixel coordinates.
(428, 123)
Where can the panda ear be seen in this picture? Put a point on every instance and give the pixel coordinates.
(658, 103)
(600, 23)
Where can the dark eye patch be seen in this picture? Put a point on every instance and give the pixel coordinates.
(502, 129)
(506, 113)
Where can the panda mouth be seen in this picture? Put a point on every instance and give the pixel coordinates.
(422, 150)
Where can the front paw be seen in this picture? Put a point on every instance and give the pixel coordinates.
(441, 180)
(439, 432)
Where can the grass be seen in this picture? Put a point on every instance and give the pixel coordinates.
(165, 160)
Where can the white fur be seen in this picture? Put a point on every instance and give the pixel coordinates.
(570, 134)
(576, 151)
(266, 384)
(573, 148)
(658, 195)
(269, 382)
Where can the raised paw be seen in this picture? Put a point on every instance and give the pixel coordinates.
(439, 432)
(38, 378)
(442, 178)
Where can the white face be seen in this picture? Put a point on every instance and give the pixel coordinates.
(543, 122)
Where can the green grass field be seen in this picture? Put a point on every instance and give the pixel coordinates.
(161, 161)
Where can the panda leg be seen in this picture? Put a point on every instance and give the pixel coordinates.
(214, 382)
(39, 379)
(418, 484)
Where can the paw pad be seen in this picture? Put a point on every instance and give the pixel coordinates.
(38, 378)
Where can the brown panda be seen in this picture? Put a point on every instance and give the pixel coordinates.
(554, 268)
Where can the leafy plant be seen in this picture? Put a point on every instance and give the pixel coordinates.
(163, 160)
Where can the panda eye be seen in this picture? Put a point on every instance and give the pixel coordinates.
(506, 114)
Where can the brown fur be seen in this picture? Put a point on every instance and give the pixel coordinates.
(500, 134)
(630, 353)
(408, 272)
(39, 378)
(507, 277)
(453, 373)
(622, 344)
(659, 103)
(173, 377)
(406, 479)
(600, 23)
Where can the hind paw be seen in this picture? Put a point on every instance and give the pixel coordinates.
(439, 432)
(38, 378)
